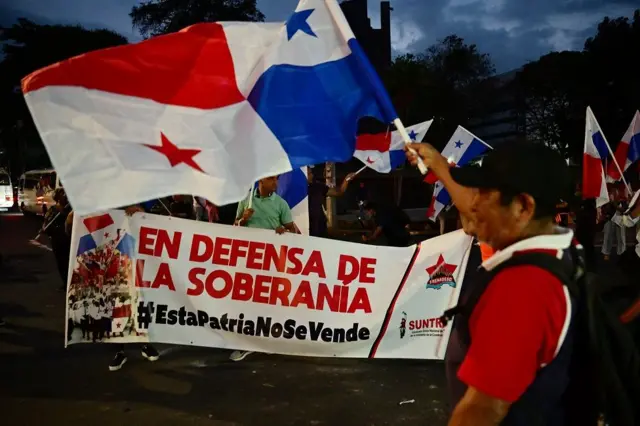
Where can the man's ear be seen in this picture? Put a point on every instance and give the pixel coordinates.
(524, 207)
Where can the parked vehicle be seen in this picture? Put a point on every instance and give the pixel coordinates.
(6, 191)
(35, 191)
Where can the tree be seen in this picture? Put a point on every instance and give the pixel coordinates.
(28, 47)
(558, 87)
(553, 89)
(458, 64)
(155, 17)
(615, 87)
(448, 82)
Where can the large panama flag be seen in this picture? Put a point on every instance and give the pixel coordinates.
(206, 111)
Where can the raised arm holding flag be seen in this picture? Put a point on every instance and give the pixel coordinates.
(462, 148)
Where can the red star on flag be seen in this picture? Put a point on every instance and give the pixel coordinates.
(176, 155)
(370, 161)
(442, 267)
(106, 235)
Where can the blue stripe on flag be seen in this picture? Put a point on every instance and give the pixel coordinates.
(601, 145)
(293, 187)
(473, 151)
(634, 149)
(126, 245)
(148, 205)
(314, 110)
(366, 68)
(444, 197)
(85, 244)
(397, 158)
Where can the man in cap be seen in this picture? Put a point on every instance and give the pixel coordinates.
(514, 335)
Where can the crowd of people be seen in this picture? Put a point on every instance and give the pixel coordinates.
(517, 328)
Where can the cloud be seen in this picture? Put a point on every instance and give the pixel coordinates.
(512, 31)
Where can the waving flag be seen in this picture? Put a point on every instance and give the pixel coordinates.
(462, 148)
(293, 187)
(628, 150)
(210, 109)
(384, 152)
(595, 150)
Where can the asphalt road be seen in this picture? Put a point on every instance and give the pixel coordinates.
(41, 382)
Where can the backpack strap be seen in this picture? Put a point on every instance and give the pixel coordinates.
(566, 272)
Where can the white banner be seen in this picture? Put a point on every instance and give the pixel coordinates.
(151, 278)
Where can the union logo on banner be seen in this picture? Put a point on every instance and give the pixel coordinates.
(441, 274)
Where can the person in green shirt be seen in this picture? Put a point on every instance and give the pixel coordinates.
(268, 209)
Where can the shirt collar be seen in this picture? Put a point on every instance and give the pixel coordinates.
(256, 194)
(559, 241)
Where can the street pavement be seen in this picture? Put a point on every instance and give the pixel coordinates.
(41, 382)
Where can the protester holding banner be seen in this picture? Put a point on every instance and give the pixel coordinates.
(516, 344)
(318, 191)
(267, 210)
(148, 351)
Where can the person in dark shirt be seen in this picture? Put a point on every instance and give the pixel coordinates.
(392, 221)
(227, 213)
(318, 191)
(55, 219)
(586, 230)
(182, 207)
(362, 197)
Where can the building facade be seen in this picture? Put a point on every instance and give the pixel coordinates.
(503, 120)
(376, 42)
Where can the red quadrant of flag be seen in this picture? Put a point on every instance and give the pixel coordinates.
(377, 142)
(191, 68)
(95, 223)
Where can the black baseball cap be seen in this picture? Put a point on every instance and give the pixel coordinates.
(520, 168)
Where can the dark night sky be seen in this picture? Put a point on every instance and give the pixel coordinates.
(512, 31)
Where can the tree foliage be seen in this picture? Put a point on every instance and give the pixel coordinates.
(28, 47)
(554, 100)
(155, 17)
(558, 87)
(445, 82)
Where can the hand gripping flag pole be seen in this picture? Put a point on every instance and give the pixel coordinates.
(347, 34)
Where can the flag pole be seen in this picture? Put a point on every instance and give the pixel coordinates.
(613, 157)
(250, 201)
(44, 229)
(407, 141)
(165, 206)
(359, 171)
(347, 34)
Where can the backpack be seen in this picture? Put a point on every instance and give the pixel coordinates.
(605, 366)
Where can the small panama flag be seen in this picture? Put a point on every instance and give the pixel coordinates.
(100, 230)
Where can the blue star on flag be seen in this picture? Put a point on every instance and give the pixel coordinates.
(459, 144)
(298, 22)
(413, 135)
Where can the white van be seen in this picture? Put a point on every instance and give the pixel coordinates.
(6, 191)
(35, 191)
